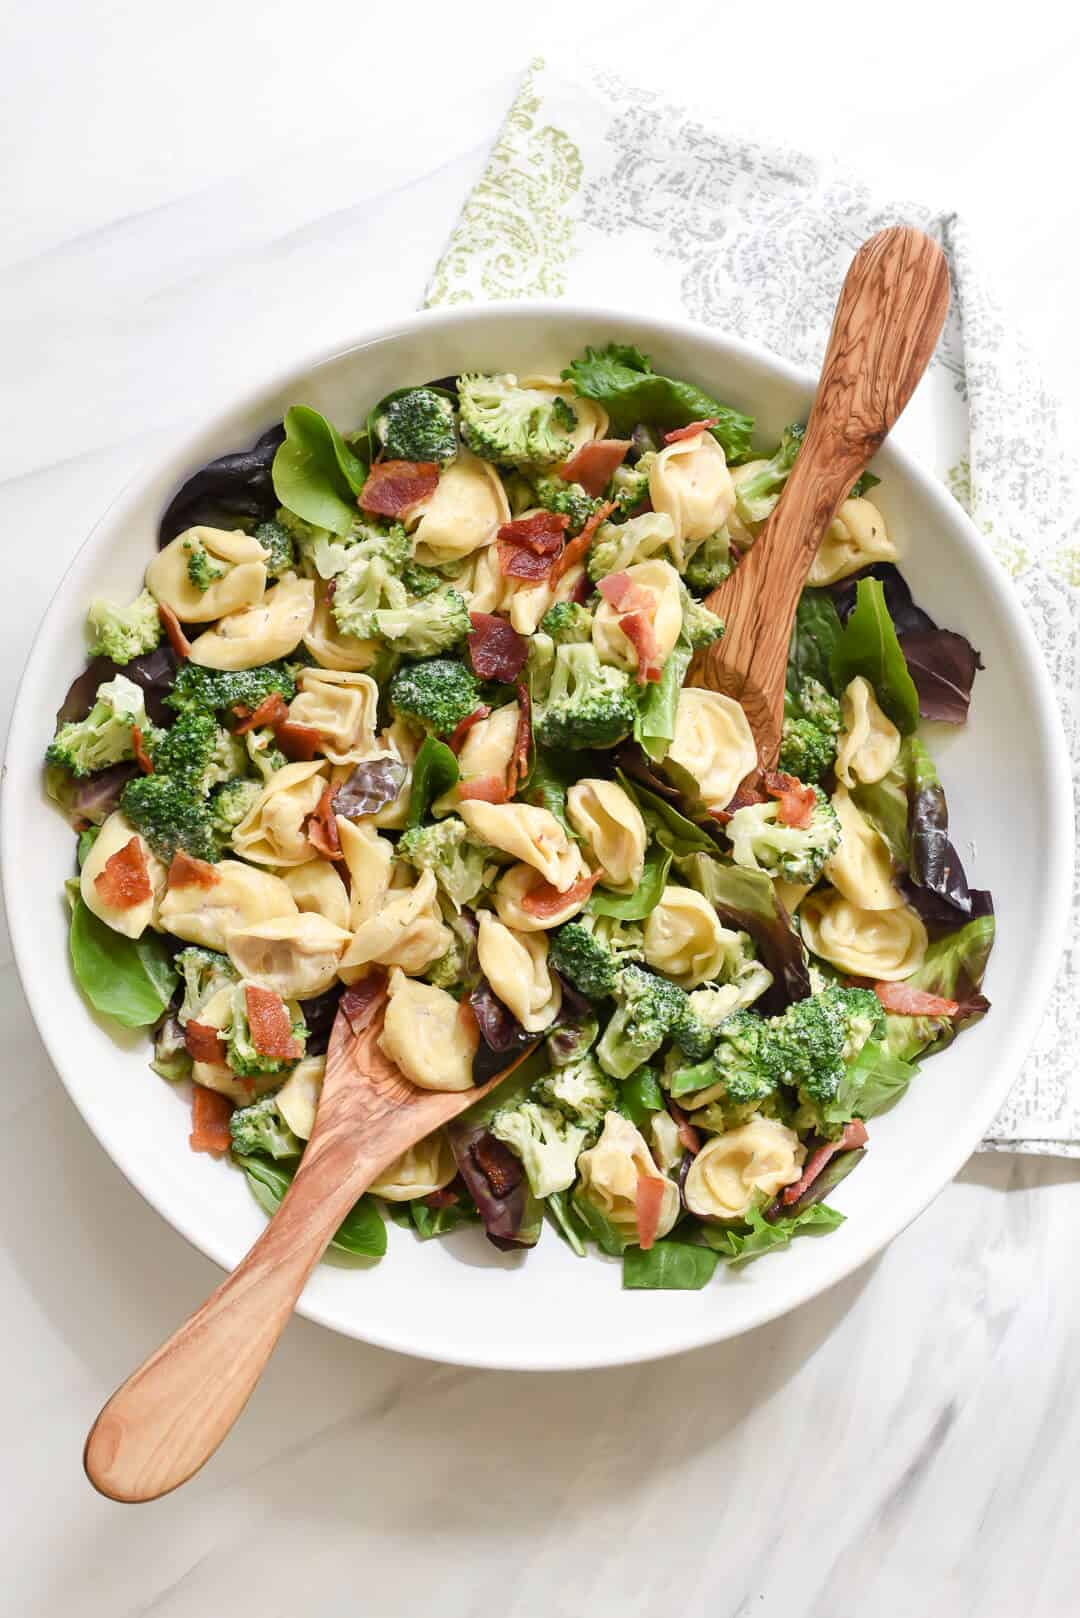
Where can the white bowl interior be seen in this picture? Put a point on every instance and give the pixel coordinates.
(1005, 774)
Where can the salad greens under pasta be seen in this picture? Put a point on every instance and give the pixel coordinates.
(406, 710)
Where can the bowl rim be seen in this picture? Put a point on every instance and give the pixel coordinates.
(1015, 1041)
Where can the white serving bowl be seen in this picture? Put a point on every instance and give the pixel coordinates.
(1006, 774)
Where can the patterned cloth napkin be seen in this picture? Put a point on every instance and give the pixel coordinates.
(589, 173)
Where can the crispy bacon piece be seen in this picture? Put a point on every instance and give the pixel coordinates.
(748, 791)
(541, 532)
(687, 1133)
(466, 1016)
(546, 900)
(796, 802)
(268, 1019)
(444, 1198)
(204, 1043)
(298, 742)
(322, 829)
(648, 1205)
(691, 428)
(187, 872)
(593, 464)
(519, 562)
(124, 881)
(496, 649)
(908, 1002)
(623, 595)
(142, 757)
(393, 488)
(210, 1114)
(854, 1135)
(272, 710)
(578, 548)
(362, 1000)
(457, 736)
(639, 631)
(484, 789)
(518, 767)
(171, 624)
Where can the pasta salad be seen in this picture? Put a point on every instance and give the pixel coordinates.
(410, 710)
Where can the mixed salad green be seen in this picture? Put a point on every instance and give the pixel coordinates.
(407, 714)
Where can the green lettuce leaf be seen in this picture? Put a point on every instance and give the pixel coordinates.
(814, 635)
(742, 1247)
(645, 897)
(622, 379)
(868, 646)
(954, 968)
(435, 771)
(654, 727)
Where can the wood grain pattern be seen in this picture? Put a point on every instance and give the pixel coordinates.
(888, 320)
(169, 1417)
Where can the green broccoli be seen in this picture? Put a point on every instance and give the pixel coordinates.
(761, 842)
(649, 1009)
(199, 751)
(202, 570)
(462, 867)
(416, 425)
(710, 564)
(540, 665)
(589, 951)
(123, 633)
(572, 1038)
(582, 1091)
(419, 580)
(263, 751)
(243, 1058)
(701, 626)
(565, 499)
(617, 546)
(514, 426)
(204, 972)
(276, 538)
(170, 816)
(261, 1130)
(818, 705)
(437, 694)
(742, 1072)
(758, 491)
(630, 485)
(104, 737)
(198, 687)
(229, 804)
(367, 586)
(545, 1140)
(812, 1043)
(423, 627)
(567, 622)
(587, 704)
(812, 723)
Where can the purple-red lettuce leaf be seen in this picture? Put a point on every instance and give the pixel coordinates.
(496, 1181)
(372, 785)
(943, 665)
(230, 487)
(954, 969)
(153, 672)
(933, 862)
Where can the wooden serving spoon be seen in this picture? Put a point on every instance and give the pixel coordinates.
(169, 1417)
(888, 319)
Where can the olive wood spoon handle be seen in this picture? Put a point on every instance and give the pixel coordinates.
(169, 1417)
(888, 319)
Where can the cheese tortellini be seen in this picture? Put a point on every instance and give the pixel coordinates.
(610, 824)
(665, 587)
(296, 956)
(343, 707)
(689, 481)
(327, 644)
(233, 563)
(856, 537)
(609, 1173)
(270, 629)
(131, 920)
(526, 833)
(274, 830)
(870, 743)
(861, 869)
(742, 1169)
(467, 509)
(368, 859)
(487, 750)
(684, 938)
(316, 886)
(428, 1035)
(298, 1098)
(883, 945)
(512, 888)
(590, 418)
(713, 745)
(240, 897)
(406, 931)
(516, 966)
(424, 1168)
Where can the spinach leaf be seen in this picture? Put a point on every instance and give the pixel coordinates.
(670, 828)
(654, 726)
(566, 1222)
(645, 897)
(362, 1231)
(868, 646)
(746, 900)
(315, 472)
(953, 968)
(608, 1237)
(435, 771)
(549, 780)
(640, 1095)
(742, 1247)
(129, 979)
(431, 1222)
(622, 379)
(814, 635)
(669, 1266)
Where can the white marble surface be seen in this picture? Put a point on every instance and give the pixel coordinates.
(191, 194)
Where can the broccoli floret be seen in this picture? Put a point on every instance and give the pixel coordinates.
(204, 972)
(820, 707)
(812, 723)
(814, 1040)
(437, 694)
(417, 426)
(710, 564)
(514, 426)
(546, 1141)
(462, 867)
(230, 804)
(582, 1091)
(198, 687)
(420, 580)
(202, 570)
(260, 1128)
(761, 842)
(587, 704)
(276, 538)
(572, 1038)
(619, 545)
(630, 485)
(702, 627)
(588, 952)
(539, 665)
(649, 1010)
(757, 493)
(367, 586)
(247, 1062)
(422, 628)
(263, 751)
(567, 499)
(122, 633)
(198, 751)
(741, 1075)
(567, 622)
(446, 972)
(164, 809)
(104, 736)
